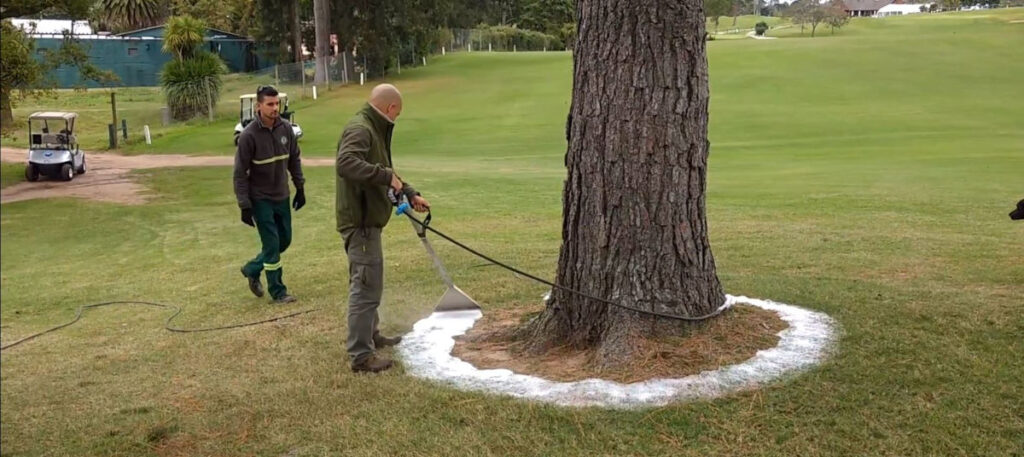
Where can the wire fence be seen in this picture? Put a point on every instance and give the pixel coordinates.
(311, 77)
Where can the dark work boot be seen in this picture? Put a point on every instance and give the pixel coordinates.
(285, 299)
(255, 286)
(381, 341)
(371, 364)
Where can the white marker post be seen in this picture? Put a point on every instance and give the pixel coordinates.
(145, 131)
(489, 48)
(424, 61)
(362, 78)
(442, 50)
(314, 92)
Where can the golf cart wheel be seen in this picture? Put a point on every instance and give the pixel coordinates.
(67, 172)
(81, 170)
(31, 173)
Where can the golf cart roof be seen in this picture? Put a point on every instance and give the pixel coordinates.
(279, 95)
(53, 115)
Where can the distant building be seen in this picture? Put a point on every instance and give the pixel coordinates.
(864, 8)
(136, 57)
(899, 9)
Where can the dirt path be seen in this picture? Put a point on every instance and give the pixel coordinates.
(108, 177)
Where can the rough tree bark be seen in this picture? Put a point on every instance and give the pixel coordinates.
(634, 228)
(296, 27)
(322, 23)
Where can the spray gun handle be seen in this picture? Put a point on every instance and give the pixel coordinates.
(402, 209)
(398, 200)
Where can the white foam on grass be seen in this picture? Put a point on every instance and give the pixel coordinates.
(427, 353)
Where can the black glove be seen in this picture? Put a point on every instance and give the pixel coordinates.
(300, 199)
(247, 217)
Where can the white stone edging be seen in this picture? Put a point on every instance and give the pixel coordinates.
(426, 353)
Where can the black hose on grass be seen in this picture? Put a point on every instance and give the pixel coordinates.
(167, 323)
(425, 224)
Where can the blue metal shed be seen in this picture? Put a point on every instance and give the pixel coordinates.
(136, 57)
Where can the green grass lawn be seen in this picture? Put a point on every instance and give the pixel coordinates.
(866, 174)
(11, 173)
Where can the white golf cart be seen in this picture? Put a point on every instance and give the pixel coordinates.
(53, 148)
(247, 112)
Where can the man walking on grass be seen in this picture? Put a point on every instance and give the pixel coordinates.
(267, 153)
(364, 175)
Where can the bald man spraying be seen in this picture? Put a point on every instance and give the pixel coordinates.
(363, 209)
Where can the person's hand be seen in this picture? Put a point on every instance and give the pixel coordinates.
(247, 217)
(396, 183)
(420, 204)
(300, 199)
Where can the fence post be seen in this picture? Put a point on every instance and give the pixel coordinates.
(399, 63)
(277, 76)
(327, 74)
(124, 128)
(302, 69)
(145, 131)
(113, 126)
(344, 68)
(209, 101)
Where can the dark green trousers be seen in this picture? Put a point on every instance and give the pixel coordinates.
(274, 223)
(365, 289)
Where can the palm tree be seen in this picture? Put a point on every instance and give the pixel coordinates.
(183, 36)
(132, 14)
(191, 81)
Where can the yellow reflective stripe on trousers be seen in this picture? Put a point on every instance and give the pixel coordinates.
(272, 266)
(272, 159)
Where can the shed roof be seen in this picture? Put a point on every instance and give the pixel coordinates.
(865, 5)
(53, 115)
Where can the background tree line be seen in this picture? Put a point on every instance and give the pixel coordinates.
(379, 31)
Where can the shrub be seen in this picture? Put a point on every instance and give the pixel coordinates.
(191, 85)
(568, 34)
(760, 28)
(506, 38)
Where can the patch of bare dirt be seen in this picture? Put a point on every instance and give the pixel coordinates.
(108, 177)
(731, 338)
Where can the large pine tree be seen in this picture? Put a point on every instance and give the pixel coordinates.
(634, 224)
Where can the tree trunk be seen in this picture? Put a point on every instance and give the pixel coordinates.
(322, 22)
(634, 228)
(6, 111)
(296, 31)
